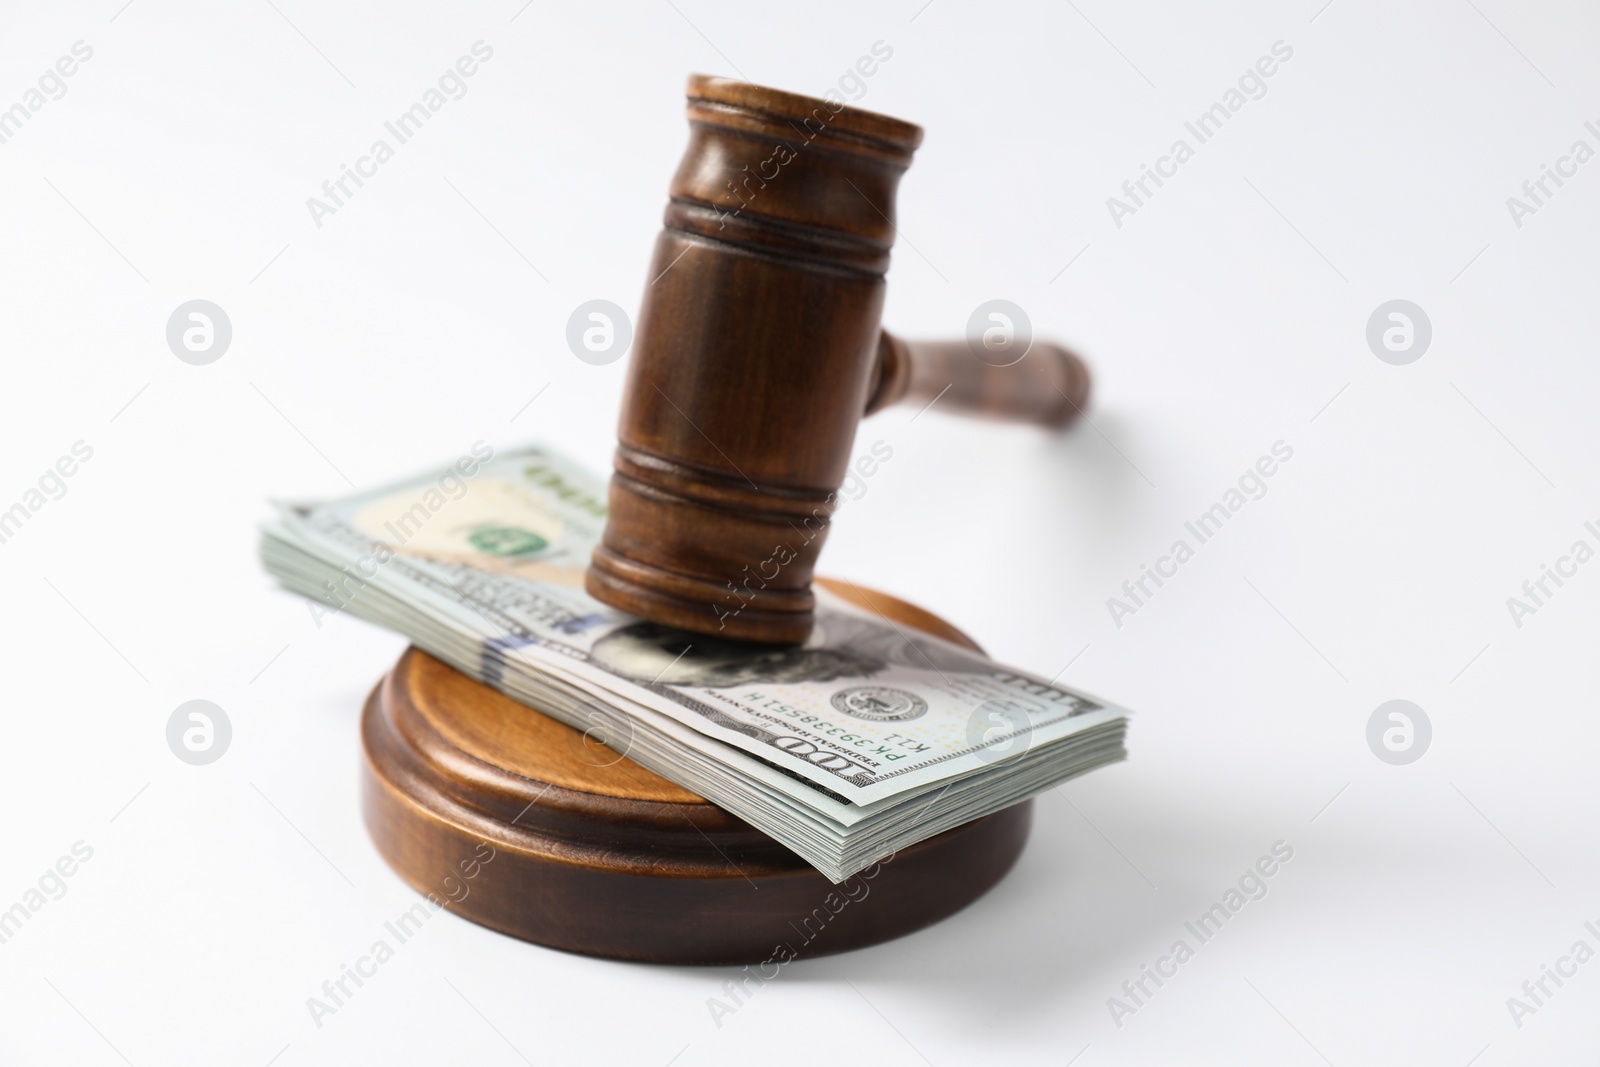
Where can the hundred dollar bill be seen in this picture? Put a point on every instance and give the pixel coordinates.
(482, 564)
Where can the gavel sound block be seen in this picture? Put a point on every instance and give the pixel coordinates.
(519, 822)
(758, 350)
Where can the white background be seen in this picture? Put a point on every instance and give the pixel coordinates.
(1227, 314)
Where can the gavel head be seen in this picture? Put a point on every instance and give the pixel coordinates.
(753, 361)
(758, 351)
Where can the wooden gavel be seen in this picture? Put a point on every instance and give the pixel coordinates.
(758, 350)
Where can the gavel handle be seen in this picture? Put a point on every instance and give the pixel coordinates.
(1048, 386)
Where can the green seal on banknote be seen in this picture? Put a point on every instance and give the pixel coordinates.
(507, 541)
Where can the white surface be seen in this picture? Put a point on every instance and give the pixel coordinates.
(1376, 567)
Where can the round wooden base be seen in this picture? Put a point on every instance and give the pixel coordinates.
(519, 822)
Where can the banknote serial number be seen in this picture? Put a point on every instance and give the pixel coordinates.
(861, 746)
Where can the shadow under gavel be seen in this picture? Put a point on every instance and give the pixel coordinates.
(758, 350)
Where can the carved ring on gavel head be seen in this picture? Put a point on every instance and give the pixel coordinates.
(757, 352)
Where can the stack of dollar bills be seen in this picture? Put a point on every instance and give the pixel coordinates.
(866, 739)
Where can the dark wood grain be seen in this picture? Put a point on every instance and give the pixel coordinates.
(1048, 385)
(523, 824)
(757, 352)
